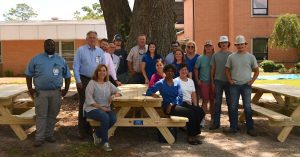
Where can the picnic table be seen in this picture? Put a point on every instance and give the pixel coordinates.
(133, 97)
(285, 96)
(8, 94)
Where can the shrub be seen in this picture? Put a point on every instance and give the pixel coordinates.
(279, 66)
(267, 65)
(292, 70)
(282, 70)
(8, 73)
(297, 65)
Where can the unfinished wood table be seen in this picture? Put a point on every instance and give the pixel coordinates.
(133, 97)
(284, 95)
(8, 93)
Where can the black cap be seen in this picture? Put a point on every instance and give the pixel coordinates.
(118, 37)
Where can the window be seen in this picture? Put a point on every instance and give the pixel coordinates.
(260, 7)
(179, 11)
(65, 49)
(0, 52)
(260, 48)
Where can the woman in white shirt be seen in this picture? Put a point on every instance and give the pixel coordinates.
(189, 92)
(98, 96)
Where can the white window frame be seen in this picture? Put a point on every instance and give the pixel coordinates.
(60, 47)
(252, 9)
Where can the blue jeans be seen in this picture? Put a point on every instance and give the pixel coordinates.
(245, 91)
(221, 86)
(107, 120)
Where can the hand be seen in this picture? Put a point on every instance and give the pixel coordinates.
(105, 109)
(155, 95)
(118, 83)
(168, 109)
(146, 81)
(118, 94)
(31, 92)
(64, 92)
(79, 85)
(199, 82)
(231, 82)
(250, 82)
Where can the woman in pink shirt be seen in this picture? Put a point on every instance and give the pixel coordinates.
(159, 73)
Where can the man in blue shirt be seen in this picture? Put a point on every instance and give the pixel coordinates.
(170, 57)
(87, 58)
(47, 71)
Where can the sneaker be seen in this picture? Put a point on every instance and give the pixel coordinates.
(50, 139)
(106, 147)
(229, 130)
(214, 127)
(38, 143)
(252, 133)
(97, 140)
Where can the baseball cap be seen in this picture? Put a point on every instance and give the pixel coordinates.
(118, 37)
(208, 42)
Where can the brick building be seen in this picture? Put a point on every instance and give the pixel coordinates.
(20, 41)
(208, 19)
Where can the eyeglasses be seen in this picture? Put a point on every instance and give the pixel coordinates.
(190, 47)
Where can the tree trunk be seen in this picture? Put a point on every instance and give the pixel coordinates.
(155, 19)
(117, 15)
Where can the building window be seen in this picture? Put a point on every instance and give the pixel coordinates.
(0, 52)
(179, 11)
(260, 7)
(66, 49)
(260, 48)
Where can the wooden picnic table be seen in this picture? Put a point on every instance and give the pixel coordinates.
(8, 93)
(133, 97)
(285, 96)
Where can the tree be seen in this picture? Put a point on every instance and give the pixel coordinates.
(153, 18)
(22, 12)
(286, 33)
(90, 13)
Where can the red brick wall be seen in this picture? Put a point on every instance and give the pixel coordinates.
(17, 53)
(234, 17)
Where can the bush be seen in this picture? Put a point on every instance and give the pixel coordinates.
(282, 70)
(279, 66)
(292, 70)
(8, 73)
(297, 65)
(267, 65)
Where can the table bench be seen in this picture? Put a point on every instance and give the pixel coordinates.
(278, 91)
(8, 94)
(133, 98)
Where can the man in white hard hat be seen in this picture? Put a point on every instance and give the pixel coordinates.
(218, 79)
(239, 67)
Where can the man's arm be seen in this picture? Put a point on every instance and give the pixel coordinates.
(228, 75)
(67, 85)
(256, 73)
(29, 86)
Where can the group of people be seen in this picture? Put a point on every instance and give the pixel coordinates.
(182, 78)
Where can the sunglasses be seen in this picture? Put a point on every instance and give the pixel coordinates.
(190, 47)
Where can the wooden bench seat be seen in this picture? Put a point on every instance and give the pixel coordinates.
(272, 115)
(29, 114)
(173, 121)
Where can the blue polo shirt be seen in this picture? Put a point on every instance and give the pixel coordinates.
(191, 62)
(47, 72)
(150, 67)
(203, 65)
(170, 94)
(86, 61)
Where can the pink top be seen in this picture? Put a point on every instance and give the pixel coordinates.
(154, 78)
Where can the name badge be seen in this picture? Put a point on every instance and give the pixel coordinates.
(55, 71)
(98, 59)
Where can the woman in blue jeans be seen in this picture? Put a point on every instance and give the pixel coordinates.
(98, 96)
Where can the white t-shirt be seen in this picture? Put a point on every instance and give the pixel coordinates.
(187, 88)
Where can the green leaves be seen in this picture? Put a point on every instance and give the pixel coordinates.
(94, 12)
(22, 12)
(286, 33)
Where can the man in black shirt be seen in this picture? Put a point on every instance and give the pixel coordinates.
(122, 74)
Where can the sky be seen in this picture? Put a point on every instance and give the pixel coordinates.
(46, 9)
